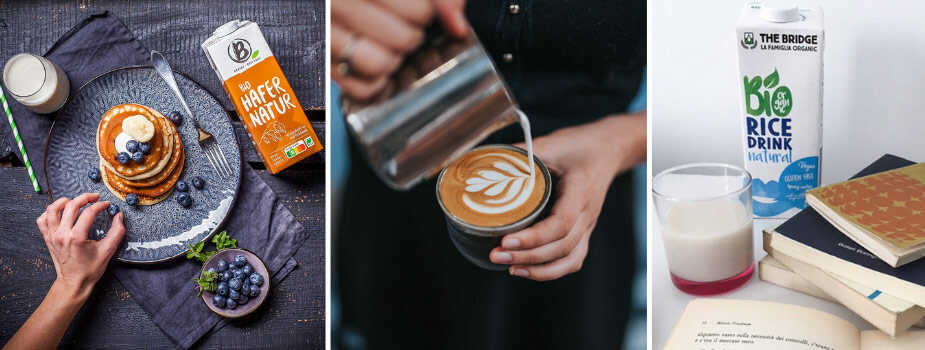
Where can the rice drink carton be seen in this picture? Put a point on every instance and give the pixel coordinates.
(780, 73)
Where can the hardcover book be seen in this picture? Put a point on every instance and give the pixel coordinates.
(883, 212)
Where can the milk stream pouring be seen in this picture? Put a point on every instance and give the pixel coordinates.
(263, 98)
(780, 51)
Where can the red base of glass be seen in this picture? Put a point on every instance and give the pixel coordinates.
(715, 287)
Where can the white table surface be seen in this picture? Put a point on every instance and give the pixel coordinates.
(668, 302)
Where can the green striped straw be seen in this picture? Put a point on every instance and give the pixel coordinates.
(22, 148)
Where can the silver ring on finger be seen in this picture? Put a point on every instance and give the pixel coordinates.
(345, 61)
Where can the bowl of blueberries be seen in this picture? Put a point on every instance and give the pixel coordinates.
(242, 286)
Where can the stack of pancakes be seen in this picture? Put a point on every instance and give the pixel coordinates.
(153, 179)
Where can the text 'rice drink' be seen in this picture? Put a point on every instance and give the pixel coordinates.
(780, 71)
(263, 98)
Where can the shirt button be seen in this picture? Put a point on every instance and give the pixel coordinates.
(508, 57)
(514, 9)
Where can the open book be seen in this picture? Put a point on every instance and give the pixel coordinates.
(708, 324)
(883, 212)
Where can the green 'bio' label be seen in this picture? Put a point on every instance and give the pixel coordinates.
(779, 101)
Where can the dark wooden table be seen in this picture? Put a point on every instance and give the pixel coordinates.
(295, 314)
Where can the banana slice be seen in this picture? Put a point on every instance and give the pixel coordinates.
(139, 128)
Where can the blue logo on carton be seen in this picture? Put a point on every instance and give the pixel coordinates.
(789, 191)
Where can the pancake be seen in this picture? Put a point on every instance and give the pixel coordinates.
(161, 160)
(161, 145)
(152, 191)
(155, 180)
(142, 200)
(152, 180)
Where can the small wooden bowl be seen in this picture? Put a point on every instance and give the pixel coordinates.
(253, 303)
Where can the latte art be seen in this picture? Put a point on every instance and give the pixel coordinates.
(506, 179)
(492, 187)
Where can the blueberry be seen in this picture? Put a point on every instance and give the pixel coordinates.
(138, 157)
(198, 183)
(94, 175)
(238, 273)
(123, 158)
(112, 210)
(239, 260)
(256, 279)
(243, 299)
(182, 186)
(221, 266)
(231, 304)
(222, 289)
(248, 269)
(175, 117)
(144, 147)
(218, 301)
(235, 284)
(225, 276)
(184, 199)
(211, 270)
(234, 295)
(131, 199)
(254, 291)
(131, 146)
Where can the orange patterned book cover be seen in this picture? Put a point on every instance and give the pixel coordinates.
(889, 205)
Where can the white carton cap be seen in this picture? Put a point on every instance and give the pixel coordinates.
(227, 28)
(780, 11)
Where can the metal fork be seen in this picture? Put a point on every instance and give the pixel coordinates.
(207, 143)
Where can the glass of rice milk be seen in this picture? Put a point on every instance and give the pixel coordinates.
(705, 214)
(36, 83)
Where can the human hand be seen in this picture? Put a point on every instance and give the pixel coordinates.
(79, 262)
(586, 158)
(373, 36)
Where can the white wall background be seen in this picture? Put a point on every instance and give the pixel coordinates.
(874, 94)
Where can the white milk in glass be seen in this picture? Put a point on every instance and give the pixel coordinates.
(780, 50)
(708, 241)
(36, 83)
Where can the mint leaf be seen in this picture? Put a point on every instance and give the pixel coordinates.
(772, 80)
(207, 281)
(223, 241)
(195, 252)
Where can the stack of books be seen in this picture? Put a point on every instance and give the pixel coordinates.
(860, 244)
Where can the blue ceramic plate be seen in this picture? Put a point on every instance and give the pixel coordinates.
(164, 230)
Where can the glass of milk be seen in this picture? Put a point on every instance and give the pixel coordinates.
(705, 213)
(36, 83)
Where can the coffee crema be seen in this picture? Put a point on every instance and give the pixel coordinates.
(491, 187)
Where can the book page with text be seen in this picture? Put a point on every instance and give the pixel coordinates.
(876, 340)
(725, 324)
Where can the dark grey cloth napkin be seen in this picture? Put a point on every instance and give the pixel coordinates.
(258, 221)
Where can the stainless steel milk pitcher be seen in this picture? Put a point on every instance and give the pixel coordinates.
(444, 99)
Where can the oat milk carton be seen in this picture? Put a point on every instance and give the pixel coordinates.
(780, 76)
(263, 98)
